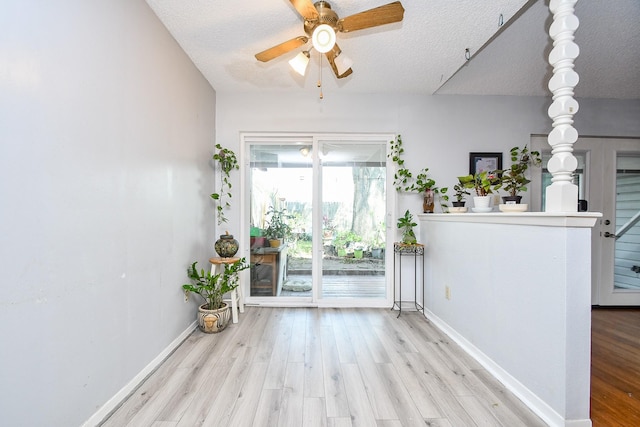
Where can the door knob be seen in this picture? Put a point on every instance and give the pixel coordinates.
(607, 234)
(607, 222)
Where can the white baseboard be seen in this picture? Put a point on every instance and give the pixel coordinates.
(532, 401)
(120, 396)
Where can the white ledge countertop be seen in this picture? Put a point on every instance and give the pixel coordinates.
(543, 219)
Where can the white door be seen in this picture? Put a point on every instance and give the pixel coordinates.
(619, 230)
(608, 177)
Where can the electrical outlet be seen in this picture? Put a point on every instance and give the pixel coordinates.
(496, 199)
(447, 292)
(186, 296)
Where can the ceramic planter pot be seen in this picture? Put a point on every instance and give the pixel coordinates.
(482, 201)
(428, 201)
(510, 200)
(213, 321)
(258, 242)
(275, 243)
(226, 246)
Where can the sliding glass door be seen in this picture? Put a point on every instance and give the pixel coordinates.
(330, 194)
(280, 217)
(353, 220)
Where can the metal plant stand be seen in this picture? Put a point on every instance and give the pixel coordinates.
(401, 250)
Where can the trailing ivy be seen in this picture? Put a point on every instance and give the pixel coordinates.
(403, 179)
(227, 161)
(402, 176)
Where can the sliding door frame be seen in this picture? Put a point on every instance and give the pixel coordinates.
(314, 139)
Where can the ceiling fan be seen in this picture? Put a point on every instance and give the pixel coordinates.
(321, 24)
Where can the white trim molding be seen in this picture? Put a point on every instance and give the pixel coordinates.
(112, 404)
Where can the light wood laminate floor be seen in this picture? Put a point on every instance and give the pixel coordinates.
(322, 367)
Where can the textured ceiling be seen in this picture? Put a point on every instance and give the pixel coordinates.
(515, 62)
(425, 53)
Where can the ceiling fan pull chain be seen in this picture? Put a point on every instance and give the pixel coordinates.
(320, 74)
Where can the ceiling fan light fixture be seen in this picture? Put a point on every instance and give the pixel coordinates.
(305, 151)
(323, 38)
(343, 63)
(300, 62)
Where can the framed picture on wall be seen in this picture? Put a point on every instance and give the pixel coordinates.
(480, 162)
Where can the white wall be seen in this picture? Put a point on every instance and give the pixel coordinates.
(106, 131)
(438, 132)
(517, 302)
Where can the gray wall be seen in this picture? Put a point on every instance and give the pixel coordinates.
(106, 131)
(438, 132)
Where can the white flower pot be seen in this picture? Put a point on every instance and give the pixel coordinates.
(482, 201)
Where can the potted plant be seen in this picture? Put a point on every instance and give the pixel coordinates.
(227, 162)
(277, 227)
(513, 180)
(256, 237)
(406, 224)
(377, 241)
(483, 183)
(214, 314)
(358, 250)
(427, 187)
(458, 206)
(460, 192)
(344, 240)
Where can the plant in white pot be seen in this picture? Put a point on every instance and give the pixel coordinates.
(214, 314)
(482, 183)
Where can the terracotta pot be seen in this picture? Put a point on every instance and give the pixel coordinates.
(258, 242)
(275, 243)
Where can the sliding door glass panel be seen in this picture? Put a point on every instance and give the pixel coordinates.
(627, 236)
(280, 184)
(353, 219)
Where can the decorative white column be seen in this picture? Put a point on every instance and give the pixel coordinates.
(562, 194)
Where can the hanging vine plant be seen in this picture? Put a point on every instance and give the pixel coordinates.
(402, 176)
(226, 161)
(403, 179)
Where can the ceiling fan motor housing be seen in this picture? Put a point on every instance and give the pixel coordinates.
(325, 16)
